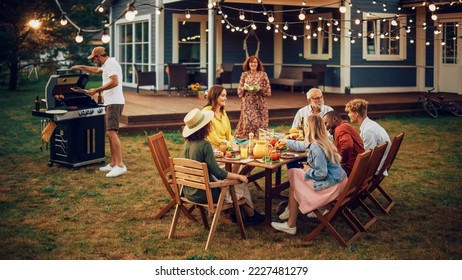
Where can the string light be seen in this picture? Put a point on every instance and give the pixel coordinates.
(63, 20)
(188, 14)
(302, 15)
(432, 6)
(342, 8)
(79, 37)
(434, 16)
(241, 15)
(105, 38)
(270, 17)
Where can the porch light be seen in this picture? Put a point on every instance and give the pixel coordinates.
(105, 38)
(302, 15)
(342, 8)
(63, 20)
(187, 14)
(79, 38)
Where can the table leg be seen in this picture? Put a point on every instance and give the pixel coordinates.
(268, 196)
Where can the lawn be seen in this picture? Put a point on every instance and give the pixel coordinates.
(60, 213)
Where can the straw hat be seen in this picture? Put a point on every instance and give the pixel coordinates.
(97, 51)
(195, 120)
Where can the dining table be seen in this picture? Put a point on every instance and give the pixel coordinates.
(257, 169)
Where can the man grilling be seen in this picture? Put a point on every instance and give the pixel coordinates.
(114, 101)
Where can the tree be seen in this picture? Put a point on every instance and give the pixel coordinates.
(24, 44)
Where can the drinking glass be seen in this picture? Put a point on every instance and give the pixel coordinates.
(244, 150)
(222, 147)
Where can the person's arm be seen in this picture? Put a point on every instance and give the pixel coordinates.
(240, 88)
(90, 69)
(297, 118)
(344, 144)
(318, 170)
(369, 139)
(265, 88)
(114, 81)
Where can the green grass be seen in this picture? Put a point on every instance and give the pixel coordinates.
(60, 213)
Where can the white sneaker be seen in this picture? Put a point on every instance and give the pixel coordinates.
(284, 215)
(105, 168)
(116, 171)
(284, 227)
(313, 215)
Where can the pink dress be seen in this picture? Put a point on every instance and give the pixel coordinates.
(308, 199)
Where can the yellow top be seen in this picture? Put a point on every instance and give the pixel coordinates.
(220, 129)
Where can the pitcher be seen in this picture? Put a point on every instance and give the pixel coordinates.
(261, 149)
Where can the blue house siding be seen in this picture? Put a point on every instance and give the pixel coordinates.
(383, 77)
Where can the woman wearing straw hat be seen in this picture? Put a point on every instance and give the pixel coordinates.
(197, 148)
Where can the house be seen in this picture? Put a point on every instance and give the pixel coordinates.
(368, 46)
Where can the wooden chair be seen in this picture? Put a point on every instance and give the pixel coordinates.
(394, 148)
(177, 78)
(355, 180)
(144, 79)
(160, 155)
(355, 198)
(194, 174)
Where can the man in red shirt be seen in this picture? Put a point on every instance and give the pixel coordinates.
(347, 140)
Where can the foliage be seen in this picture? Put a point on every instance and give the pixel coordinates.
(23, 46)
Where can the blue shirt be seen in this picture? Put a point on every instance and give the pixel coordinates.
(324, 173)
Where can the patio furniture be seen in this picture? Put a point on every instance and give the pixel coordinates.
(144, 79)
(194, 174)
(177, 78)
(355, 180)
(315, 77)
(226, 77)
(160, 155)
(376, 185)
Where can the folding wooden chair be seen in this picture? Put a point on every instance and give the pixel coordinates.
(160, 155)
(354, 181)
(355, 198)
(394, 148)
(194, 174)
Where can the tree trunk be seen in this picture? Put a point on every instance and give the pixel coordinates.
(14, 76)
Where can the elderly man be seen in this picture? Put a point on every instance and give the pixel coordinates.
(371, 132)
(346, 139)
(315, 107)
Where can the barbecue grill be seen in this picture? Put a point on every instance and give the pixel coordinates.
(79, 136)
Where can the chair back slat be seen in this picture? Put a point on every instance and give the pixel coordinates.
(374, 162)
(355, 179)
(395, 145)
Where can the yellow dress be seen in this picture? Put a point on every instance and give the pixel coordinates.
(220, 129)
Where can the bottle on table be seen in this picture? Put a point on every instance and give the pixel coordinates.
(251, 144)
(37, 103)
(301, 127)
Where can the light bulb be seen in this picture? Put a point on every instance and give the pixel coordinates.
(411, 41)
(254, 26)
(268, 26)
(432, 7)
(301, 16)
(100, 9)
(105, 38)
(357, 21)
(34, 23)
(78, 38)
(188, 15)
(271, 18)
(63, 20)
(434, 17)
(130, 15)
(342, 8)
(286, 26)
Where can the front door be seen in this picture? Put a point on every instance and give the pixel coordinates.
(448, 53)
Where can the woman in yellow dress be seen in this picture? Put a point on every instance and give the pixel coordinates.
(220, 127)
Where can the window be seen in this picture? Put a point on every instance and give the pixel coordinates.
(384, 37)
(189, 40)
(449, 43)
(318, 37)
(132, 45)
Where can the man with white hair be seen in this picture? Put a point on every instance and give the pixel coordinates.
(315, 106)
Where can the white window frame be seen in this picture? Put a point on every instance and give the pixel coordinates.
(203, 33)
(123, 21)
(402, 38)
(321, 35)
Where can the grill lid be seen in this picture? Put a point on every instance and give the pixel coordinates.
(59, 95)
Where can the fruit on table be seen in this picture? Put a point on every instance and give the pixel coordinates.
(293, 130)
(273, 142)
(275, 156)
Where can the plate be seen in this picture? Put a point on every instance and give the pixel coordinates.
(56, 112)
(233, 158)
(218, 154)
(289, 155)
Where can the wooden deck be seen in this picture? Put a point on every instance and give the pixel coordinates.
(151, 112)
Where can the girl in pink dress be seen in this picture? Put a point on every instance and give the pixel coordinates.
(318, 185)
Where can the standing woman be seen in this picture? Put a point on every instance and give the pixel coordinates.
(220, 126)
(253, 89)
(318, 185)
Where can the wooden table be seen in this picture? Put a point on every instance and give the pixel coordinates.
(272, 190)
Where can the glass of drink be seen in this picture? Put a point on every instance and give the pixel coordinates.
(244, 149)
(222, 147)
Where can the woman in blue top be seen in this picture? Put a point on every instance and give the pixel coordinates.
(320, 183)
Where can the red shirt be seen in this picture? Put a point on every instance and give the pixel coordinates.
(349, 144)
